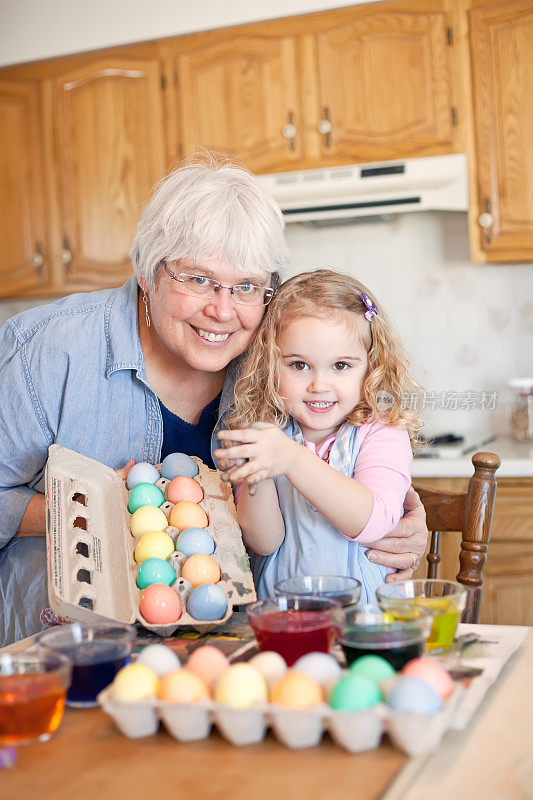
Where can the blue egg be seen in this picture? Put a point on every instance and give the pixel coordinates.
(207, 601)
(412, 695)
(176, 464)
(195, 540)
(142, 473)
(155, 570)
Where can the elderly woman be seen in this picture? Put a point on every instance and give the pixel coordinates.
(143, 370)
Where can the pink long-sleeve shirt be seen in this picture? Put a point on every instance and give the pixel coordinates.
(383, 466)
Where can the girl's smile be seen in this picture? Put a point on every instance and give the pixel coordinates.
(322, 370)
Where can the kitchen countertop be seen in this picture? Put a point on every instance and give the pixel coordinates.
(517, 461)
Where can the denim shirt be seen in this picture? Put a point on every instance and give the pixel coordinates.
(71, 373)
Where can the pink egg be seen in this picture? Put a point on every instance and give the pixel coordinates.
(430, 672)
(208, 663)
(183, 488)
(159, 604)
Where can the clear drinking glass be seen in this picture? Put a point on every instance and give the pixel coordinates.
(340, 587)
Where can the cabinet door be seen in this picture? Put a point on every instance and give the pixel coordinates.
(501, 37)
(238, 94)
(108, 137)
(383, 85)
(23, 264)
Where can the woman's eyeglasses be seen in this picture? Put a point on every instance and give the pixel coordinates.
(199, 286)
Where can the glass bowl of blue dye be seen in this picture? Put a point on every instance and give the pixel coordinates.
(97, 652)
(339, 587)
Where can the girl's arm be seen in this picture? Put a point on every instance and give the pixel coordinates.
(260, 517)
(347, 503)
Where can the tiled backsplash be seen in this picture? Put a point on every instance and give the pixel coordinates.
(467, 328)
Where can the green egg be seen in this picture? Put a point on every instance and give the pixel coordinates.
(375, 668)
(145, 494)
(354, 693)
(155, 570)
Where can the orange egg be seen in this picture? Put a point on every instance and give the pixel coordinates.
(181, 686)
(184, 488)
(298, 691)
(199, 569)
(208, 662)
(159, 604)
(188, 515)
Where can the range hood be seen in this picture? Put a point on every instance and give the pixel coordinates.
(432, 183)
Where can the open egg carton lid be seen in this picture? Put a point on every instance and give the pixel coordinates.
(91, 568)
(353, 731)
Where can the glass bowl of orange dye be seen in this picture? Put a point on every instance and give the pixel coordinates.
(33, 688)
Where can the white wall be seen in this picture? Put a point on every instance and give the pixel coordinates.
(35, 29)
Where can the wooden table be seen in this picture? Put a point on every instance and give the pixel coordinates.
(88, 759)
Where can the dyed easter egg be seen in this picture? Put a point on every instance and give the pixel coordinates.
(183, 488)
(195, 540)
(321, 667)
(271, 665)
(160, 658)
(145, 494)
(298, 691)
(155, 544)
(354, 693)
(199, 569)
(178, 464)
(133, 683)
(142, 473)
(431, 672)
(414, 696)
(159, 604)
(188, 515)
(207, 602)
(241, 686)
(147, 518)
(374, 668)
(208, 663)
(155, 570)
(182, 686)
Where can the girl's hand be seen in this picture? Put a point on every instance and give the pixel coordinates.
(123, 471)
(268, 453)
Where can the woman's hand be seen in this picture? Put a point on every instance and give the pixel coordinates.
(268, 453)
(123, 471)
(404, 546)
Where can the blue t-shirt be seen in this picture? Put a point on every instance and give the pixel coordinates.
(194, 440)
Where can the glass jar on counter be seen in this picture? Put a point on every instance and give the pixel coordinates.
(521, 408)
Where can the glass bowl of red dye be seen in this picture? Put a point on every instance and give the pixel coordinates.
(293, 626)
(364, 630)
(97, 651)
(340, 587)
(33, 688)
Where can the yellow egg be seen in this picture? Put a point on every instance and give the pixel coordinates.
(147, 518)
(241, 686)
(181, 686)
(133, 683)
(298, 691)
(155, 544)
(188, 515)
(199, 569)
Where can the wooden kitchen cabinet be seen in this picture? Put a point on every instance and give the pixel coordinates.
(501, 44)
(360, 84)
(24, 252)
(508, 574)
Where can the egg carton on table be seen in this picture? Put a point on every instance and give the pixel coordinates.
(91, 568)
(353, 731)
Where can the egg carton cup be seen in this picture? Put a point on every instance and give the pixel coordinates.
(91, 568)
(355, 732)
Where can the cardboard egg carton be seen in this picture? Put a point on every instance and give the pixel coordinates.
(91, 568)
(353, 731)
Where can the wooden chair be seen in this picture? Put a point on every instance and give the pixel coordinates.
(471, 514)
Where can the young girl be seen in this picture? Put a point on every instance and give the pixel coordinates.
(331, 470)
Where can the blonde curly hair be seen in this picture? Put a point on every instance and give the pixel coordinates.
(325, 294)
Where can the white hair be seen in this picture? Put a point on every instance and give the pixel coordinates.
(209, 208)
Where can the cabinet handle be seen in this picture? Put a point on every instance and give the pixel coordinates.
(37, 259)
(289, 131)
(66, 255)
(486, 220)
(325, 126)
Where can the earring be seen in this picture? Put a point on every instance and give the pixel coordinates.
(147, 315)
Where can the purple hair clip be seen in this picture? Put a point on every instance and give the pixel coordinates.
(371, 308)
